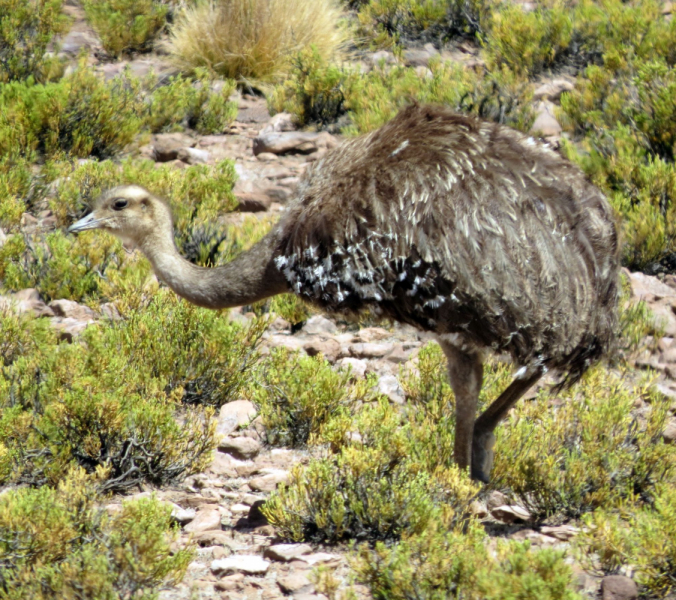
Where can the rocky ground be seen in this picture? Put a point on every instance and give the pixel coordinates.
(239, 556)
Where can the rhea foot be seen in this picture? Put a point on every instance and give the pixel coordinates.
(482, 455)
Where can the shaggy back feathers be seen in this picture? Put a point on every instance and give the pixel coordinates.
(459, 226)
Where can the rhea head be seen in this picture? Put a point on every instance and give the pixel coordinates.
(129, 212)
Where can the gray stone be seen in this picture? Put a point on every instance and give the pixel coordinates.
(357, 366)
(295, 582)
(205, 520)
(370, 350)
(253, 202)
(166, 145)
(669, 433)
(389, 386)
(545, 123)
(68, 308)
(280, 122)
(293, 142)
(319, 558)
(223, 465)
(649, 288)
(510, 513)
(618, 587)
(552, 90)
(214, 538)
(240, 447)
(419, 57)
(244, 563)
(183, 515)
(326, 346)
(233, 415)
(269, 482)
(287, 552)
(319, 324)
(193, 156)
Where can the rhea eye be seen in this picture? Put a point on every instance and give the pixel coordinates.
(119, 204)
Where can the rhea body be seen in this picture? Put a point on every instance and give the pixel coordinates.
(457, 226)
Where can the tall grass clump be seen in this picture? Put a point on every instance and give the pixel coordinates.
(58, 542)
(254, 39)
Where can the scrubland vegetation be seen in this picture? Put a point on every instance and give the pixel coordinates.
(131, 401)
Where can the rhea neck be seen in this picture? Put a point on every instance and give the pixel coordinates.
(250, 277)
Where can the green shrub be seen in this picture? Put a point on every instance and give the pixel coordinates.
(16, 179)
(378, 483)
(80, 115)
(26, 29)
(318, 92)
(294, 412)
(528, 42)
(585, 449)
(394, 21)
(254, 39)
(126, 26)
(118, 398)
(440, 564)
(638, 535)
(58, 543)
(181, 102)
(314, 92)
(287, 306)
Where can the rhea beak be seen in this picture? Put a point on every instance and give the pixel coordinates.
(88, 222)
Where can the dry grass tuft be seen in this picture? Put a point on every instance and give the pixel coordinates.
(254, 39)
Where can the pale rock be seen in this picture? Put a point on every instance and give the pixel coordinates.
(669, 355)
(478, 509)
(223, 465)
(215, 537)
(248, 564)
(357, 366)
(664, 316)
(649, 288)
(372, 334)
(382, 56)
(496, 498)
(73, 310)
(294, 583)
(233, 415)
(29, 294)
(510, 513)
(205, 520)
(669, 433)
(229, 583)
(370, 350)
(68, 329)
(280, 122)
(193, 156)
(75, 41)
(240, 509)
(618, 587)
(183, 515)
(293, 142)
(552, 90)
(399, 355)
(319, 324)
(269, 482)
(109, 311)
(287, 552)
(319, 558)
(166, 145)
(420, 57)
(545, 123)
(243, 447)
(326, 346)
(561, 532)
(389, 386)
(266, 157)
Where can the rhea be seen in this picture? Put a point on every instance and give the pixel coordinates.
(458, 226)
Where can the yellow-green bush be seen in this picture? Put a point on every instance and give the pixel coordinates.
(56, 542)
(293, 411)
(26, 29)
(395, 21)
(184, 102)
(440, 564)
(586, 449)
(118, 398)
(318, 92)
(254, 39)
(639, 535)
(126, 26)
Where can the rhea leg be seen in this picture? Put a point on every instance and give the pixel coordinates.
(484, 439)
(465, 370)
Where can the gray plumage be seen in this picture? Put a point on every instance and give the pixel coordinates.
(459, 226)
